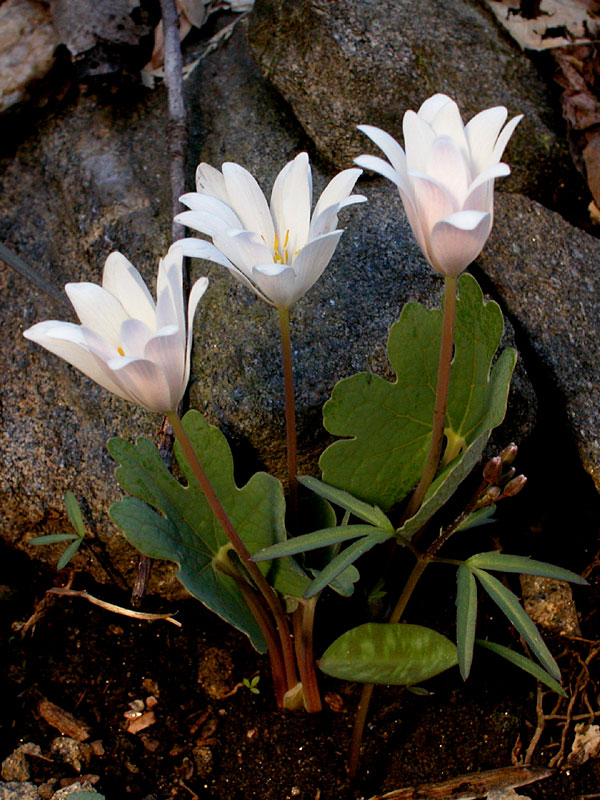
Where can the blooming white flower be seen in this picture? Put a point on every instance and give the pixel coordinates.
(278, 251)
(446, 177)
(130, 345)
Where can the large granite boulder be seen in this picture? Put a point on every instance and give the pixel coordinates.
(342, 64)
(95, 178)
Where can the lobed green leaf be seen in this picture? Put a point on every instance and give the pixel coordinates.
(388, 424)
(343, 560)
(315, 540)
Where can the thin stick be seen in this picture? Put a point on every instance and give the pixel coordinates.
(290, 411)
(240, 548)
(125, 612)
(176, 128)
(441, 398)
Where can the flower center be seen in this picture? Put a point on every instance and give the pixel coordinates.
(281, 257)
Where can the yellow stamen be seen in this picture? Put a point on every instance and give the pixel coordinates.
(287, 236)
(120, 351)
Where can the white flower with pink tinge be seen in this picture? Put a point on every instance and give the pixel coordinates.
(136, 348)
(446, 177)
(277, 250)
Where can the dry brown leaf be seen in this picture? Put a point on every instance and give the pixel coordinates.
(140, 723)
(586, 744)
(559, 23)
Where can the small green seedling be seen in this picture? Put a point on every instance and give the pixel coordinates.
(75, 539)
(252, 683)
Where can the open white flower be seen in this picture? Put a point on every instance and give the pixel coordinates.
(278, 251)
(130, 345)
(446, 177)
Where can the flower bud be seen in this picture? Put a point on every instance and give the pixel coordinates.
(493, 470)
(514, 486)
(493, 493)
(509, 454)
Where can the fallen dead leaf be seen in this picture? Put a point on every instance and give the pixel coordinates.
(141, 723)
(586, 744)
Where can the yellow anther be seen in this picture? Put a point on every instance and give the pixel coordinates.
(287, 237)
(120, 351)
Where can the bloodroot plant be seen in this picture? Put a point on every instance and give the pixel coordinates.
(404, 447)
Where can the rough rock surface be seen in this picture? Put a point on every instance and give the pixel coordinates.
(367, 61)
(28, 43)
(545, 273)
(88, 183)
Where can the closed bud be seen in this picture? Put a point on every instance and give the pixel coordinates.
(509, 454)
(493, 470)
(493, 493)
(514, 487)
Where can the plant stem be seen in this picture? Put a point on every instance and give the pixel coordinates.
(240, 548)
(303, 619)
(290, 411)
(367, 691)
(441, 398)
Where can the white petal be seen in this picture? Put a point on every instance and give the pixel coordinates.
(336, 192)
(376, 164)
(169, 285)
(481, 192)
(482, 132)
(210, 181)
(431, 200)
(277, 282)
(432, 105)
(65, 339)
(134, 335)
(447, 165)
(144, 382)
(122, 280)
(312, 260)
(457, 240)
(210, 205)
(505, 135)
(244, 249)
(421, 234)
(198, 248)
(167, 350)
(201, 221)
(248, 201)
(418, 138)
(98, 309)
(388, 144)
(448, 122)
(196, 293)
(291, 200)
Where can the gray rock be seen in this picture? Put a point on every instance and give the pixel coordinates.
(27, 46)
(18, 790)
(545, 273)
(89, 183)
(15, 767)
(368, 61)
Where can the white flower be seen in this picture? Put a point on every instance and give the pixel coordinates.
(278, 252)
(446, 177)
(126, 342)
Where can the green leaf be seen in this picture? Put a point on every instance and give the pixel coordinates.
(388, 425)
(466, 618)
(185, 531)
(74, 513)
(53, 538)
(525, 664)
(343, 584)
(504, 562)
(364, 511)
(68, 553)
(482, 516)
(314, 540)
(343, 560)
(398, 654)
(509, 604)
(85, 795)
